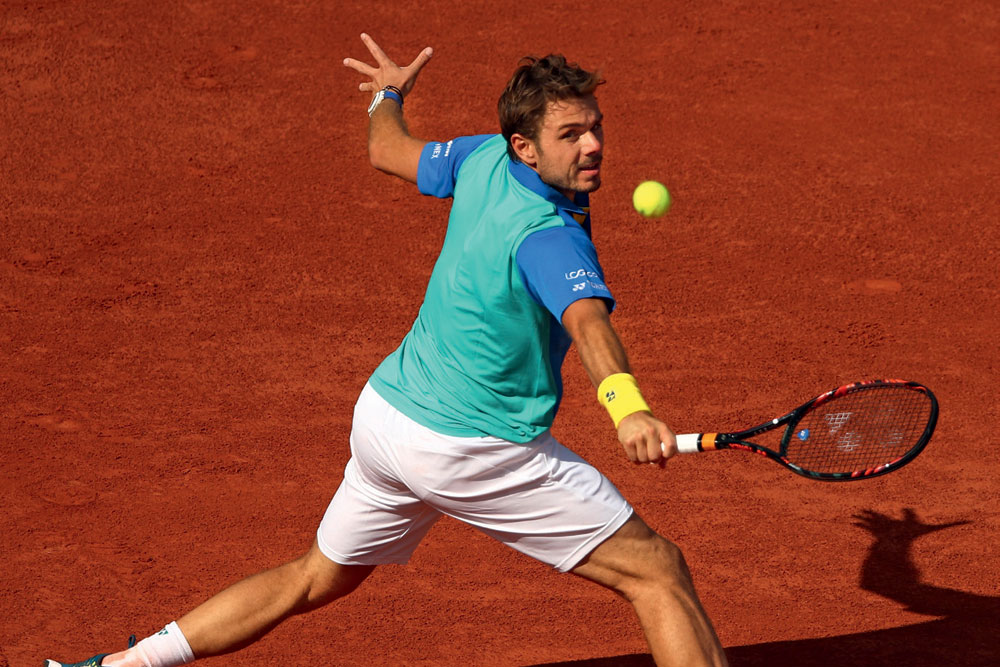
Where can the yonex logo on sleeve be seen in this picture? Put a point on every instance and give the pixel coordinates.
(592, 278)
(609, 396)
(436, 153)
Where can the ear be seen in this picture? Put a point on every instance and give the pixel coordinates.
(524, 148)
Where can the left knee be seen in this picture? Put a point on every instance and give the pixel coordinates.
(320, 581)
(657, 565)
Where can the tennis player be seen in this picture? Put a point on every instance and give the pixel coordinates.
(456, 421)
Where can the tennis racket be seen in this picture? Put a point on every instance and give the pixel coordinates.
(856, 431)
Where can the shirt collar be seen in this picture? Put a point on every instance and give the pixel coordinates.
(529, 178)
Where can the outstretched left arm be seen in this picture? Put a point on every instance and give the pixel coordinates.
(390, 147)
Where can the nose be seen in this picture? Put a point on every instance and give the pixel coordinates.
(592, 143)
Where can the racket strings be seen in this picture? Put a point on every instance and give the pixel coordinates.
(862, 430)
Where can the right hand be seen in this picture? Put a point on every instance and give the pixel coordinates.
(387, 73)
(646, 439)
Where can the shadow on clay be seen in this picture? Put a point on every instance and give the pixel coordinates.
(964, 634)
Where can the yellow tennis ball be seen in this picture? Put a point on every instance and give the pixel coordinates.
(651, 199)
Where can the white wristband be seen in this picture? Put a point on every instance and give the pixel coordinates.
(377, 100)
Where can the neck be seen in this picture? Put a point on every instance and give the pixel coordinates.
(569, 194)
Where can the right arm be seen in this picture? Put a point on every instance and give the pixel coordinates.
(391, 149)
(560, 270)
(644, 438)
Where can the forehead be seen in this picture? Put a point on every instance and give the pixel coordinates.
(572, 111)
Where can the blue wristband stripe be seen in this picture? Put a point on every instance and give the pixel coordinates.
(393, 95)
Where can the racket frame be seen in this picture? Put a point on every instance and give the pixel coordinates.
(703, 442)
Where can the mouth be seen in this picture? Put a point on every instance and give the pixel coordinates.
(592, 168)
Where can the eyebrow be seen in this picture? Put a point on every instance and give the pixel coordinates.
(569, 125)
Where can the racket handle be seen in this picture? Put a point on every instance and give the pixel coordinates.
(687, 443)
(692, 443)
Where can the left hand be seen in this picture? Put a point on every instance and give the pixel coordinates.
(387, 73)
(908, 528)
(646, 439)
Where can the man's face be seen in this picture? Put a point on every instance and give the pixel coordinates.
(570, 143)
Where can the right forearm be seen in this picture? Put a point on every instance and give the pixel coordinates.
(600, 349)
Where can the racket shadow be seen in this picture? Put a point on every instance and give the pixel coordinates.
(964, 633)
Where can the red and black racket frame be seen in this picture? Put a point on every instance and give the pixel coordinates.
(710, 441)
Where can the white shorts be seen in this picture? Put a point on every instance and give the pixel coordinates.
(539, 498)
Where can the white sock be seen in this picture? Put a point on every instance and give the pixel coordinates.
(167, 648)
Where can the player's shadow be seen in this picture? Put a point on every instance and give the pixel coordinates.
(967, 632)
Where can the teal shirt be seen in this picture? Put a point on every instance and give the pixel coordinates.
(484, 354)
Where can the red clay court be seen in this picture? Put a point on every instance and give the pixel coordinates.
(199, 270)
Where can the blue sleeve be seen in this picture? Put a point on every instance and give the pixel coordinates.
(559, 265)
(440, 162)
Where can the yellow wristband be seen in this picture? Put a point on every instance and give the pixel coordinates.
(619, 394)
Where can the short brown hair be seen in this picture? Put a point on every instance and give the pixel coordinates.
(535, 83)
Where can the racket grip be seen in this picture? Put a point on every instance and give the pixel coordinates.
(687, 443)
